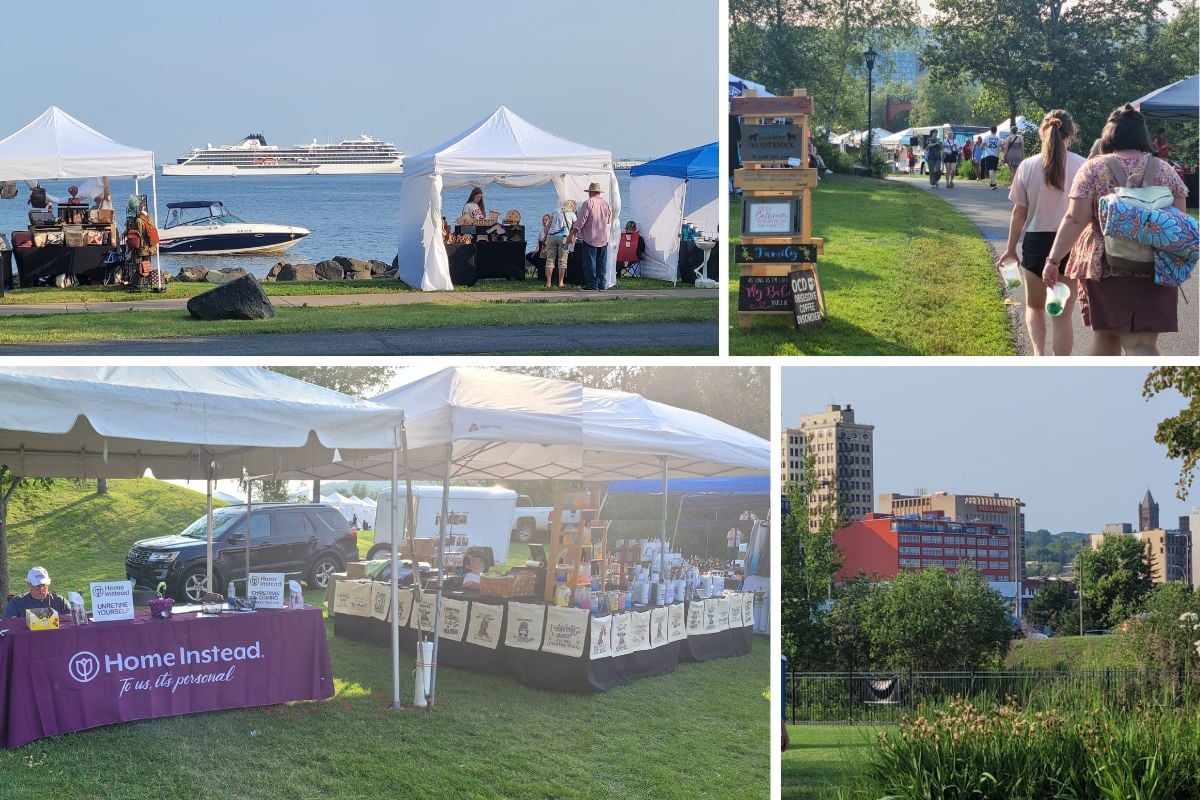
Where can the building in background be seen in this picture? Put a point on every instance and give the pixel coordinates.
(1170, 552)
(1194, 547)
(1118, 527)
(968, 508)
(843, 451)
(1147, 513)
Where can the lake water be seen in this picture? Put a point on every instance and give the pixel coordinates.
(349, 215)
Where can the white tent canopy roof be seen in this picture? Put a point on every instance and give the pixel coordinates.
(56, 145)
(504, 144)
(506, 426)
(117, 422)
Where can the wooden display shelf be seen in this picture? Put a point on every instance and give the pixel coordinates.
(570, 543)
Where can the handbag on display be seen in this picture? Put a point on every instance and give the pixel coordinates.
(55, 237)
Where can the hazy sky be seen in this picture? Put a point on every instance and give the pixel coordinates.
(1075, 443)
(638, 78)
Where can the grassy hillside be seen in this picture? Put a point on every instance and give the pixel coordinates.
(1074, 652)
(81, 536)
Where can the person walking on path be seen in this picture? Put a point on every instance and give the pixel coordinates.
(1014, 150)
(933, 157)
(991, 156)
(977, 158)
(1039, 197)
(950, 161)
(1126, 310)
(592, 228)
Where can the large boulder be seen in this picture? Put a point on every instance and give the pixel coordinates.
(216, 276)
(330, 270)
(350, 265)
(192, 274)
(273, 273)
(241, 298)
(389, 274)
(360, 275)
(297, 272)
(378, 267)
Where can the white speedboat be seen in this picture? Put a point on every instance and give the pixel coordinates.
(206, 226)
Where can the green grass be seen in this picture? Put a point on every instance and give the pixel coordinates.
(138, 324)
(179, 290)
(1073, 652)
(700, 732)
(823, 759)
(903, 273)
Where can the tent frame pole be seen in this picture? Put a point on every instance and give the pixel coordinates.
(208, 486)
(663, 533)
(249, 516)
(431, 689)
(402, 443)
(158, 258)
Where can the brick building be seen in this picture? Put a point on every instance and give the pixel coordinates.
(991, 509)
(881, 545)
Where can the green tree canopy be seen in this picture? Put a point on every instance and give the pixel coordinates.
(1114, 579)
(1180, 434)
(1054, 607)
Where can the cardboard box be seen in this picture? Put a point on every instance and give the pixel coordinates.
(42, 619)
(356, 569)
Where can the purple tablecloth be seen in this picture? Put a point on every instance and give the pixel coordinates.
(82, 677)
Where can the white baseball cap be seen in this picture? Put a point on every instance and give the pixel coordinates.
(38, 577)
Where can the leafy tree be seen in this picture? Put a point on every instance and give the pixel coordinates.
(849, 645)
(354, 381)
(268, 491)
(1054, 608)
(938, 101)
(1180, 434)
(1114, 580)
(1166, 636)
(10, 484)
(934, 620)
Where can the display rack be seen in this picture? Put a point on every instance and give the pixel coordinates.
(572, 544)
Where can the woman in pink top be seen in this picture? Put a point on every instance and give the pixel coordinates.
(1126, 311)
(1039, 198)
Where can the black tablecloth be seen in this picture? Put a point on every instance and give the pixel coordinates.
(724, 644)
(462, 264)
(85, 263)
(500, 260)
(691, 257)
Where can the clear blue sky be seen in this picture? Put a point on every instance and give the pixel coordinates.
(985, 429)
(637, 78)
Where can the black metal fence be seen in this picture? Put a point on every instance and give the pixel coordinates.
(883, 698)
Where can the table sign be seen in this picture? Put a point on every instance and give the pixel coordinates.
(111, 600)
(484, 624)
(566, 630)
(808, 303)
(776, 253)
(765, 293)
(602, 636)
(771, 142)
(266, 588)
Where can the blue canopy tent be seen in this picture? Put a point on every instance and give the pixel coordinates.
(1180, 100)
(738, 87)
(665, 192)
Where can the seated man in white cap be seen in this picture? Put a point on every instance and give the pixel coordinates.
(38, 596)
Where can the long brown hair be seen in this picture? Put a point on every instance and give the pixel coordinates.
(1057, 126)
(477, 192)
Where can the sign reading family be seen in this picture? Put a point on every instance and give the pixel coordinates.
(266, 588)
(112, 600)
(776, 253)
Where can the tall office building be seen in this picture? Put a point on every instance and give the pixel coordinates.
(844, 461)
(1147, 513)
(969, 508)
(1170, 553)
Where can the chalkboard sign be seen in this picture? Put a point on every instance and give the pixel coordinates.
(775, 215)
(772, 143)
(807, 302)
(765, 293)
(776, 253)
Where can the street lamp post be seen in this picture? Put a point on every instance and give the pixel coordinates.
(869, 57)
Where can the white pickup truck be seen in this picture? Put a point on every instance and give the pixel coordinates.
(532, 523)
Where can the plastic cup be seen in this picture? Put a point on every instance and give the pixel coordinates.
(1056, 298)
(1011, 272)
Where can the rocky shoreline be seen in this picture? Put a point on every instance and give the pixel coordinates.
(337, 268)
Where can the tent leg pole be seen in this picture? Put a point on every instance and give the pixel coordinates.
(663, 541)
(249, 514)
(157, 258)
(208, 516)
(396, 704)
(437, 606)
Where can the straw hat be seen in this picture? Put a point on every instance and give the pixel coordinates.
(594, 188)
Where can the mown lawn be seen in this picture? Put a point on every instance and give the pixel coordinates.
(1072, 652)
(179, 290)
(702, 731)
(903, 274)
(823, 759)
(148, 324)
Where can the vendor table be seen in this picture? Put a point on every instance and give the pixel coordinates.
(690, 259)
(85, 263)
(85, 676)
(536, 666)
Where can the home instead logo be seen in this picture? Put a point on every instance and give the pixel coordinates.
(85, 666)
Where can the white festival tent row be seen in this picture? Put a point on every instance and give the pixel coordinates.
(181, 423)
(56, 145)
(469, 423)
(503, 149)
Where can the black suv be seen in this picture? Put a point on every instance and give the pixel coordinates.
(311, 539)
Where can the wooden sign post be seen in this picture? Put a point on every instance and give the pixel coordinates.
(777, 255)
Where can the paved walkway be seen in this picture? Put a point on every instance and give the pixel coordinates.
(990, 211)
(379, 299)
(580, 339)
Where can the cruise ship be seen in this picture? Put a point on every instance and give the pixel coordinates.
(253, 156)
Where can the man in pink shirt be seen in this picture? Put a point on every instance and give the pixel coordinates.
(591, 228)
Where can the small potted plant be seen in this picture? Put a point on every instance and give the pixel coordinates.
(160, 607)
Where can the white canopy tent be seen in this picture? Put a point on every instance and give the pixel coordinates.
(896, 139)
(503, 149)
(1023, 125)
(56, 145)
(465, 422)
(665, 192)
